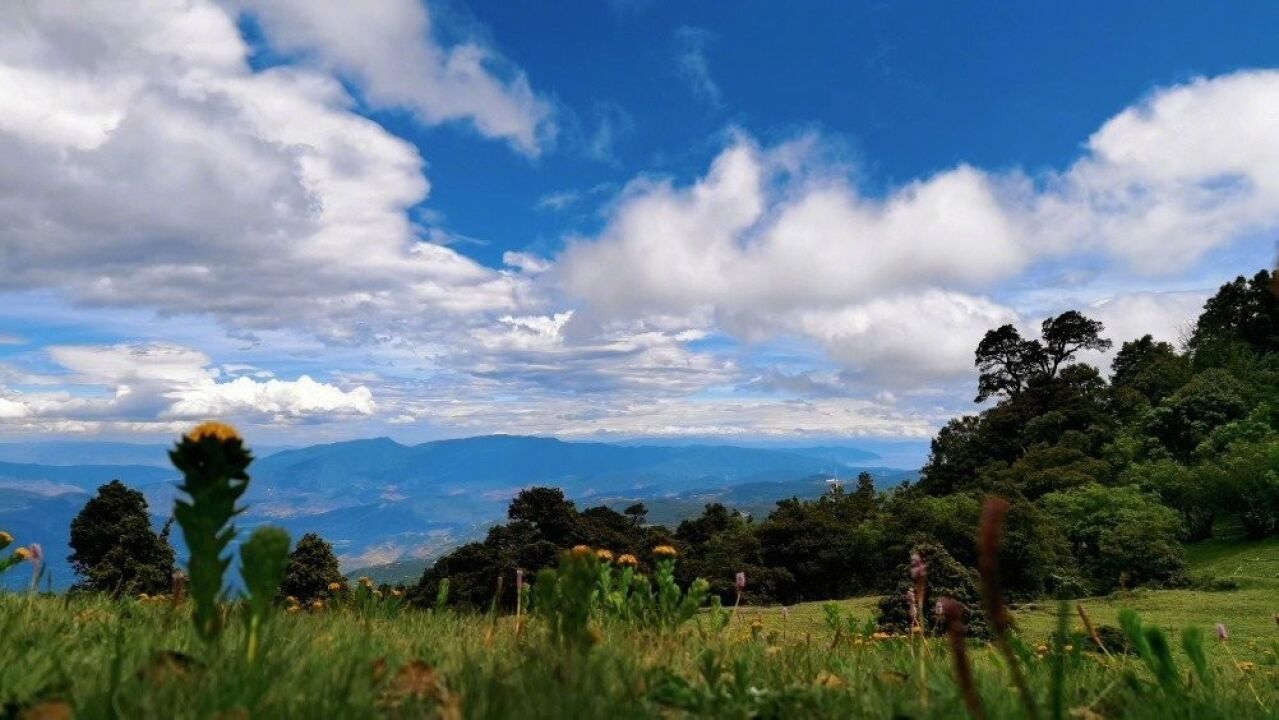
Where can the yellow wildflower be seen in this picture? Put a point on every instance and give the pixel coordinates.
(291, 600)
(377, 593)
(143, 597)
(317, 605)
(22, 554)
(335, 586)
(581, 551)
(627, 560)
(1246, 666)
(604, 555)
(294, 609)
(397, 592)
(5, 539)
(221, 431)
(366, 581)
(1041, 649)
(665, 551)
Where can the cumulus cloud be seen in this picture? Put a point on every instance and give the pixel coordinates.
(388, 47)
(776, 240)
(154, 384)
(146, 164)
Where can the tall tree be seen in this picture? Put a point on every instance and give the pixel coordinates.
(1006, 362)
(115, 549)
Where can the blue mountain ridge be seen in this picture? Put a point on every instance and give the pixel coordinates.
(379, 501)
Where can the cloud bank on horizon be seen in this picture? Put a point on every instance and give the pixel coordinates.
(225, 209)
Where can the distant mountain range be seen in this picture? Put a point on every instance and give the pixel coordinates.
(379, 501)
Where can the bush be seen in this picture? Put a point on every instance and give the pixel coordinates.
(1120, 536)
(946, 578)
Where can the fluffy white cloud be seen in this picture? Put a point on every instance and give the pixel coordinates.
(144, 163)
(1185, 171)
(387, 46)
(156, 384)
(773, 241)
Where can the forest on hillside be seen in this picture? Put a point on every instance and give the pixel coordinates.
(1108, 475)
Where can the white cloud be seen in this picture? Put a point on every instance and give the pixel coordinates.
(774, 241)
(152, 384)
(145, 164)
(1185, 171)
(389, 48)
(279, 398)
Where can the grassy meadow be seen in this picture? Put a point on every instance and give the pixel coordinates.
(92, 657)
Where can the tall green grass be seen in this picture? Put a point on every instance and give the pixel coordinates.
(134, 659)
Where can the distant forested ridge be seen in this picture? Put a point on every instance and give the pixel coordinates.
(1107, 476)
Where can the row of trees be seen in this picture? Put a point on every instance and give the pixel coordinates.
(1106, 476)
(116, 550)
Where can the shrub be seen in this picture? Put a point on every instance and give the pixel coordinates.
(1121, 536)
(947, 578)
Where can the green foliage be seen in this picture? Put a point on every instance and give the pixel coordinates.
(1121, 536)
(1187, 417)
(263, 558)
(312, 567)
(214, 477)
(114, 548)
(584, 590)
(1247, 479)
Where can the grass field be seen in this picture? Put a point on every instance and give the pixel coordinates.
(95, 658)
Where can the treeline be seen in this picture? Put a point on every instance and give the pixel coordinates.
(1106, 476)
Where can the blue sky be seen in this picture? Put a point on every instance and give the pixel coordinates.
(609, 220)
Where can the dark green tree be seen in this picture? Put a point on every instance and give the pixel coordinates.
(1006, 362)
(114, 547)
(312, 566)
(1149, 370)
(1243, 312)
(1065, 336)
(554, 516)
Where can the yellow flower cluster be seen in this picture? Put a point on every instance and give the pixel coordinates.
(581, 551)
(604, 555)
(627, 560)
(22, 554)
(335, 587)
(5, 539)
(152, 599)
(665, 551)
(220, 431)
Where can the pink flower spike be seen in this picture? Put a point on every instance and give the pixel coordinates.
(740, 582)
(1222, 633)
(917, 566)
(37, 553)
